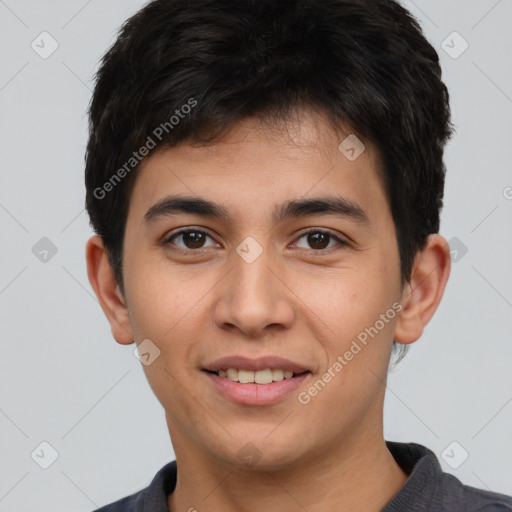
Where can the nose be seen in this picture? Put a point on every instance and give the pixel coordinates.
(253, 297)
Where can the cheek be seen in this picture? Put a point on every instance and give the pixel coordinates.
(357, 354)
(345, 317)
(164, 298)
(168, 310)
(345, 302)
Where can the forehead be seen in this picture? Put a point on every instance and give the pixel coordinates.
(256, 167)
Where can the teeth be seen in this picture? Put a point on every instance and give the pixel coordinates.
(232, 374)
(263, 377)
(245, 376)
(266, 376)
(277, 375)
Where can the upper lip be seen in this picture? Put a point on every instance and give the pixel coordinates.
(260, 363)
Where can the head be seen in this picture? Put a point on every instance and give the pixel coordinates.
(264, 120)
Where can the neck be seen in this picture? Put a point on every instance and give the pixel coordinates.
(360, 475)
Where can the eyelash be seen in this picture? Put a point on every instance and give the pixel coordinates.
(167, 240)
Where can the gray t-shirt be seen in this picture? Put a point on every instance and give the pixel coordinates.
(427, 489)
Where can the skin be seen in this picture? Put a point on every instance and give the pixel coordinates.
(297, 300)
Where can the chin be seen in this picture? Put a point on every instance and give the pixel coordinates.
(260, 454)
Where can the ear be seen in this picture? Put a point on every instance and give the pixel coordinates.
(422, 295)
(104, 284)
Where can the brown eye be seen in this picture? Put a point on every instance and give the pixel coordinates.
(193, 239)
(319, 240)
(189, 239)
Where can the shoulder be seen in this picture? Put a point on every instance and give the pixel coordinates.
(476, 500)
(151, 499)
(126, 504)
(429, 488)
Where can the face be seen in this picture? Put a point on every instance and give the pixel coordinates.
(288, 267)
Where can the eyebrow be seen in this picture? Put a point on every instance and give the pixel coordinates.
(295, 208)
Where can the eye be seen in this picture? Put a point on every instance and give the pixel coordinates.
(191, 239)
(194, 239)
(320, 240)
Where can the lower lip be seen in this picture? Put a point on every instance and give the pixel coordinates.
(256, 394)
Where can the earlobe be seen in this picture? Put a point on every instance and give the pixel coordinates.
(422, 295)
(106, 288)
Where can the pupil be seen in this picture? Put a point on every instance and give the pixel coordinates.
(194, 238)
(317, 238)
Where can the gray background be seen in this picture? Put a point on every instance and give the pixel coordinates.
(64, 380)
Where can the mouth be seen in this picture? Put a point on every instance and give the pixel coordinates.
(263, 377)
(263, 381)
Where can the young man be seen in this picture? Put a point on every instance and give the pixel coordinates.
(265, 179)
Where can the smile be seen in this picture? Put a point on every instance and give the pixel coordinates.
(266, 376)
